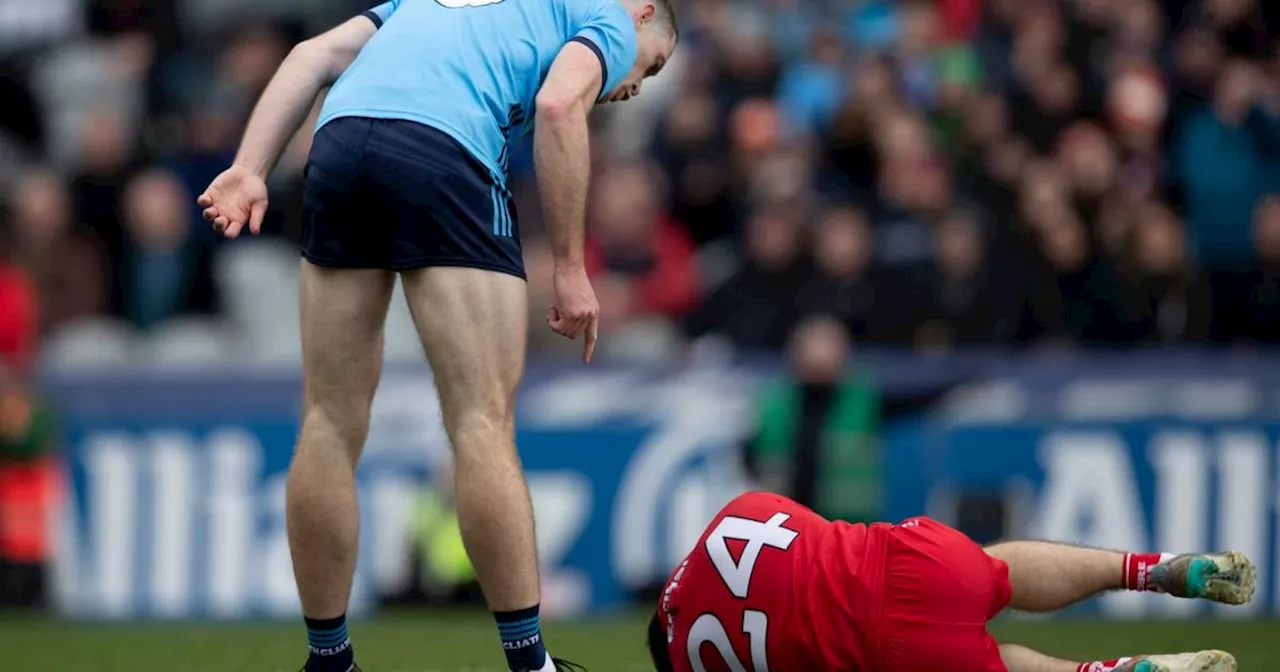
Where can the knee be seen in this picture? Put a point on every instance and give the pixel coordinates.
(481, 430)
(334, 427)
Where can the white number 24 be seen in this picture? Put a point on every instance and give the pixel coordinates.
(708, 629)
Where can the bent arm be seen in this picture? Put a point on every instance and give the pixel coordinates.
(309, 68)
(561, 149)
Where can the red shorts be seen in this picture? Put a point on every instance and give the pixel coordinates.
(940, 589)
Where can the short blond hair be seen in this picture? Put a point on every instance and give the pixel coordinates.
(667, 15)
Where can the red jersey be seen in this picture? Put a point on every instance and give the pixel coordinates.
(773, 586)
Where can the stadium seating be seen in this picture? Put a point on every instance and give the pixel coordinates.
(188, 343)
(89, 345)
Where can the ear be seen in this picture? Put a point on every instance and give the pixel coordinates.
(647, 10)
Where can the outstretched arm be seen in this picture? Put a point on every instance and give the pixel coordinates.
(309, 68)
(237, 199)
(561, 149)
(562, 158)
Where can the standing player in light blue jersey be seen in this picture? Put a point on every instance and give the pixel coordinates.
(407, 175)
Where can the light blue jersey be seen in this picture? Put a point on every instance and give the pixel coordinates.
(471, 68)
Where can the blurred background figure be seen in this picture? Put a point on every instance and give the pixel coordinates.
(841, 283)
(1261, 321)
(30, 477)
(640, 260)
(815, 437)
(440, 571)
(754, 308)
(1173, 302)
(65, 260)
(964, 300)
(163, 270)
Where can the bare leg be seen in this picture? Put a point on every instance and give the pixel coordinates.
(1048, 576)
(342, 316)
(473, 325)
(1021, 659)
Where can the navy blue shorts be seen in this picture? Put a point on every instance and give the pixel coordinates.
(399, 195)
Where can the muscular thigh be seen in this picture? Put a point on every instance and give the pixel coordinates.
(473, 326)
(342, 316)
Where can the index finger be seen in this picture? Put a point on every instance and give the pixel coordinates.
(589, 348)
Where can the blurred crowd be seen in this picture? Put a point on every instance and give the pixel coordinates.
(929, 173)
(942, 173)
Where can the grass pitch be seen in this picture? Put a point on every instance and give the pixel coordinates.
(466, 641)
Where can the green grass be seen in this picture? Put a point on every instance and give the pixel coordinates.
(458, 641)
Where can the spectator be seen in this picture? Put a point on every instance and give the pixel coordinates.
(963, 297)
(989, 157)
(28, 480)
(1090, 163)
(19, 317)
(1241, 25)
(1223, 163)
(1260, 321)
(690, 151)
(916, 195)
(959, 84)
(874, 25)
(442, 572)
(1197, 61)
(1045, 93)
(755, 134)
(164, 269)
(817, 426)
(916, 50)
(1138, 35)
(842, 283)
(105, 165)
(1138, 106)
(985, 123)
(810, 89)
(1087, 284)
(65, 262)
(791, 24)
(852, 161)
(246, 64)
(639, 258)
(1225, 160)
(748, 69)
(755, 307)
(1171, 295)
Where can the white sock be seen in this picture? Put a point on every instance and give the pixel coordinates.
(548, 666)
(1102, 666)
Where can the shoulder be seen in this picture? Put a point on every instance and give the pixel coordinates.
(608, 17)
(585, 10)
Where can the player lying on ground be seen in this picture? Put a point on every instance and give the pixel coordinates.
(408, 175)
(772, 586)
